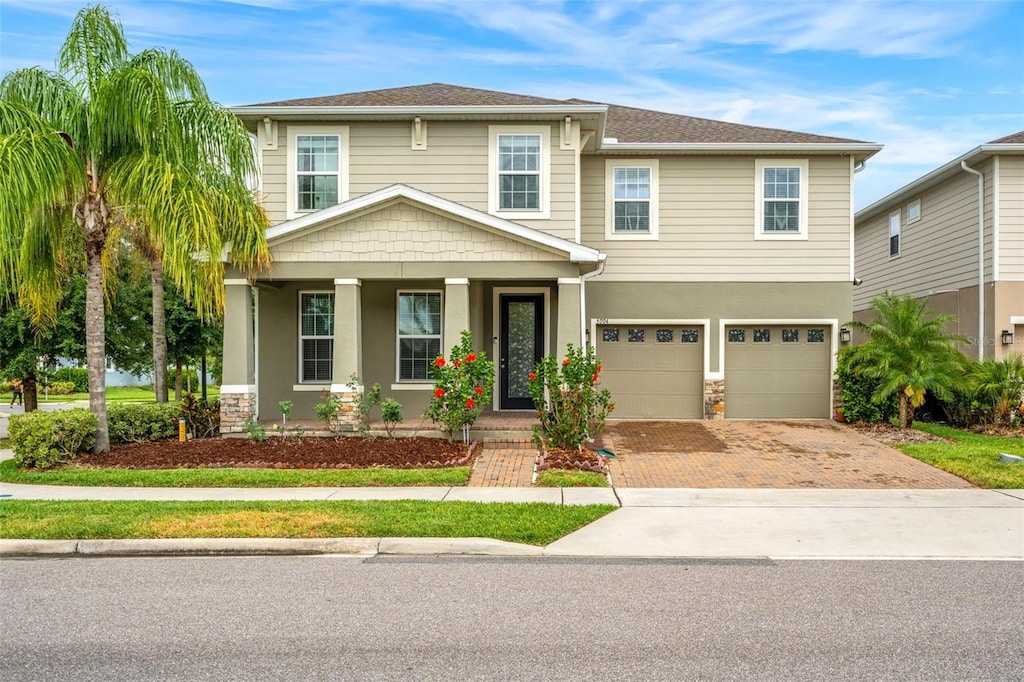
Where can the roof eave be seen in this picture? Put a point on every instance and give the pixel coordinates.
(863, 150)
(941, 173)
(299, 111)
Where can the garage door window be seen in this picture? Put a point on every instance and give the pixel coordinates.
(610, 335)
(737, 336)
(815, 336)
(688, 336)
(762, 336)
(635, 336)
(665, 336)
(790, 336)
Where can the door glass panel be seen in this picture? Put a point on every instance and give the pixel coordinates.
(522, 333)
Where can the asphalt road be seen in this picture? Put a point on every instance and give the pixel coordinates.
(321, 618)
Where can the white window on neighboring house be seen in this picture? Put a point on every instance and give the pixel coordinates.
(894, 234)
(914, 211)
(781, 203)
(317, 168)
(419, 333)
(520, 165)
(316, 337)
(632, 199)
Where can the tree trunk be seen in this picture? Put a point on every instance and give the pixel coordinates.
(29, 393)
(906, 411)
(177, 380)
(92, 215)
(156, 273)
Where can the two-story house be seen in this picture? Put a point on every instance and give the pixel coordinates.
(709, 263)
(954, 237)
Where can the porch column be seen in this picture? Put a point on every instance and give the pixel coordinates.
(456, 311)
(238, 388)
(568, 329)
(348, 351)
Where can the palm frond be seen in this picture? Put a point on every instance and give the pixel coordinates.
(95, 46)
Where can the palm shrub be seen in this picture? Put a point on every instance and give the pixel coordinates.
(463, 385)
(999, 387)
(570, 406)
(909, 352)
(112, 142)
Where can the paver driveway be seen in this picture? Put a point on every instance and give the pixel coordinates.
(760, 454)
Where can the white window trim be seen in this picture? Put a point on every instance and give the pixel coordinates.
(916, 202)
(759, 166)
(312, 385)
(609, 203)
(899, 235)
(398, 338)
(341, 132)
(544, 212)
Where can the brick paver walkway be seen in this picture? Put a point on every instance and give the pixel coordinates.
(504, 464)
(760, 454)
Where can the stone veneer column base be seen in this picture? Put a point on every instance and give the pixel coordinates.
(347, 418)
(837, 399)
(714, 399)
(235, 410)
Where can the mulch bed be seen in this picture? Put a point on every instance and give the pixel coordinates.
(582, 460)
(287, 453)
(884, 432)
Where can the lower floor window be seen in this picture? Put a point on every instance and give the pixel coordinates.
(316, 337)
(419, 334)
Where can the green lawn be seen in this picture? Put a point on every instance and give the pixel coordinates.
(533, 523)
(235, 478)
(973, 457)
(132, 394)
(568, 478)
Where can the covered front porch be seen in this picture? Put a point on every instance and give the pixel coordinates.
(378, 289)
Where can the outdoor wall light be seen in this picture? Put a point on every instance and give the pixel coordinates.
(1007, 337)
(844, 335)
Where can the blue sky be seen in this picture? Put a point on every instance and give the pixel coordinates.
(930, 80)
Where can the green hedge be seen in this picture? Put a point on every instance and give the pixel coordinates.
(138, 422)
(62, 388)
(858, 391)
(46, 439)
(79, 376)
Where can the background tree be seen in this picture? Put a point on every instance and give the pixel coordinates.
(189, 338)
(112, 140)
(909, 352)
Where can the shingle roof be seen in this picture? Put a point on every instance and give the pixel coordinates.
(1015, 138)
(627, 124)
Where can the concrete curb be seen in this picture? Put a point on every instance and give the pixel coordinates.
(455, 546)
(189, 547)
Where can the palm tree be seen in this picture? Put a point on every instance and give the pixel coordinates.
(909, 352)
(1001, 383)
(107, 142)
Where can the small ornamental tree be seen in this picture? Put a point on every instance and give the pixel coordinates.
(463, 384)
(570, 406)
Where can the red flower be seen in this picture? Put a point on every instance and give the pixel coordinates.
(471, 357)
(439, 362)
(593, 378)
(532, 376)
(439, 392)
(456, 363)
(470, 403)
(479, 391)
(599, 368)
(565, 362)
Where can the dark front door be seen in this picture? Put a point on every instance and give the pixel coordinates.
(522, 345)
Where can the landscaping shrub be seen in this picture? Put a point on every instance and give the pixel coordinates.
(137, 422)
(62, 388)
(202, 419)
(79, 376)
(991, 392)
(462, 387)
(45, 439)
(570, 407)
(858, 392)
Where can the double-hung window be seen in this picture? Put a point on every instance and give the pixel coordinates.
(781, 202)
(316, 337)
(520, 164)
(894, 234)
(317, 168)
(632, 199)
(419, 333)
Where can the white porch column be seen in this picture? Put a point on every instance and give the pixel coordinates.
(238, 388)
(456, 311)
(348, 348)
(568, 328)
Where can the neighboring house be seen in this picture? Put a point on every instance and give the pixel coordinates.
(923, 240)
(709, 263)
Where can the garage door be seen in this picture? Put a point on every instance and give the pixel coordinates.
(653, 371)
(778, 372)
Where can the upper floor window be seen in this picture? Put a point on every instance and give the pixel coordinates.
(894, 234)
(914, 211)
(520, 164)
(631, 206)
(419, 333)
(316, 337)
(781, 202)
(317, 168)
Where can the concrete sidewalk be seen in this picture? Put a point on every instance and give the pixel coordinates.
(681, 523)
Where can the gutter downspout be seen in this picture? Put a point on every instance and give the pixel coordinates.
(583, 299)
(981, 258)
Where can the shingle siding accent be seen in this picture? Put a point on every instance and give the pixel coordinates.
(403, 233)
